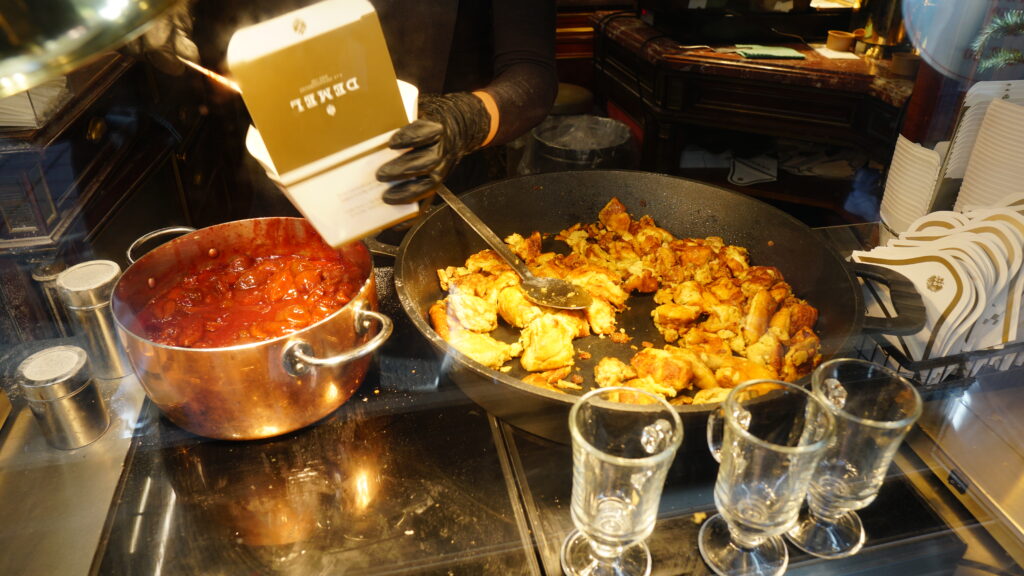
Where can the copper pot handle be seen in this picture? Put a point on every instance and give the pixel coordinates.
(298, 356)
(179, 230)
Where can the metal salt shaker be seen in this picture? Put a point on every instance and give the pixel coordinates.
(45, 275)
(85, 290)
(62, 395)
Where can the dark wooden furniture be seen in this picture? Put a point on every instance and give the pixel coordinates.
(670, 92)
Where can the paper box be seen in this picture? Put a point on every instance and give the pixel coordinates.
(322, 93)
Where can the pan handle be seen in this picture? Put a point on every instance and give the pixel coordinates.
(906, 301)
(377, 247)
(179, 230)
(298, 356)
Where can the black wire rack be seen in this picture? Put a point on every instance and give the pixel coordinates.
(943, 375)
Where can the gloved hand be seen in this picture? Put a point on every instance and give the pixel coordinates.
(167, 38)
(450, 126)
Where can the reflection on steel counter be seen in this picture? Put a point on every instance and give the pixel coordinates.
(360, 490)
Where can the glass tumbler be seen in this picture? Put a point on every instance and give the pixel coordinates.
(623, 443)
(874, 409)
(768, 436)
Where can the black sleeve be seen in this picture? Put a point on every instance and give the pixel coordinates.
(525, 80)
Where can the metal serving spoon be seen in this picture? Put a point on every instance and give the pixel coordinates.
(550, 292)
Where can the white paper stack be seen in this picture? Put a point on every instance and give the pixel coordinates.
(32, 108)
(910, 185)
(996, 166)
(972, 112)
(968, 269)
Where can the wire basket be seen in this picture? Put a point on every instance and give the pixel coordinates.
(941, 375)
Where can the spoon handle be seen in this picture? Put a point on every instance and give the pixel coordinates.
(484, 231)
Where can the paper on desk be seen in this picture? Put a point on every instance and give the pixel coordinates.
(768, 52)
(747, 171)
(835, 54)
(696, 157)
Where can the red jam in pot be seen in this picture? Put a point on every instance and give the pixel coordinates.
(250, 298)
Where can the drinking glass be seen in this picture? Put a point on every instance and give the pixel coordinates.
(623, 442)
(874, 409)
(768, 436)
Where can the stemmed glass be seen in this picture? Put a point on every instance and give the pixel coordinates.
(874, 409)
(768, 436)
(623, 443)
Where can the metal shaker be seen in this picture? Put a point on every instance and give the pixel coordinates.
(45, 275)
(85, 290)
(62, 395)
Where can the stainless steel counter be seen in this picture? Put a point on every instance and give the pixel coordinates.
(54, 502)
(408, 477)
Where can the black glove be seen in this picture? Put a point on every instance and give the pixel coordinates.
(450, 126)
(166, 39)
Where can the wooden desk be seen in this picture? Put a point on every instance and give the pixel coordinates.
(666, 87)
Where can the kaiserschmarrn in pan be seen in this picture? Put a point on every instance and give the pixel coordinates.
(723, 319)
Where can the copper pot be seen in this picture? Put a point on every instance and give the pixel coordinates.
(253, 390)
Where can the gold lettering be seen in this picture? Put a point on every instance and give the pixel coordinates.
(323, 95)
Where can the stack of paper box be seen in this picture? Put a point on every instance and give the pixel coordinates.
(322, 93)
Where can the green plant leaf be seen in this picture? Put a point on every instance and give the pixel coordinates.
(1009, 23)
(1001, 59)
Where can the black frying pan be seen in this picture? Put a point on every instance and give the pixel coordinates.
(552, 202)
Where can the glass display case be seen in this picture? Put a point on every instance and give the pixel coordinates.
(437, 463)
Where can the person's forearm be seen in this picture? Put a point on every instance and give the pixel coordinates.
(519, 102)
(525, 80)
